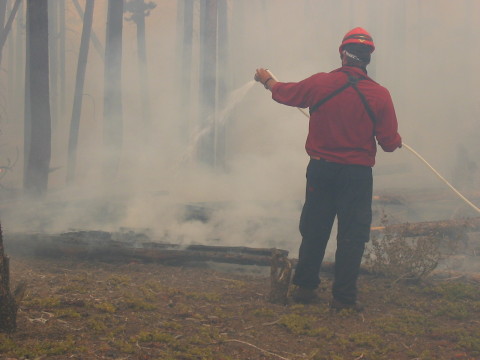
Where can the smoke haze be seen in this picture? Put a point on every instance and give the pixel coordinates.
(426, 55)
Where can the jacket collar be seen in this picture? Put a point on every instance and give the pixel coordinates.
(353, 70)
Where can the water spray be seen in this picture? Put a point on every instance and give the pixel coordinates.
(218, 118)
(409, 148)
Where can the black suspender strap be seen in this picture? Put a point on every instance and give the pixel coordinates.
(352, 81)
(366, 104)
(328, 97)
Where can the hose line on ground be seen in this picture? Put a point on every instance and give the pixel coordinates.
(441, 177)
(304, 112)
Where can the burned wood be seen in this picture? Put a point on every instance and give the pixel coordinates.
(220, 249)
(104, 246)
(280, 275)
(429, 228)
(448, 275)
(423, 195)
(388, 200)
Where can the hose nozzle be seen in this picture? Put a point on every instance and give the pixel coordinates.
(270, 73)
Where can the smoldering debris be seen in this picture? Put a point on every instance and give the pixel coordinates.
(132, 246)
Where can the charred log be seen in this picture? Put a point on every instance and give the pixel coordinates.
(448, 275)
(422, 195)
(451, 228)
(130, 247)
(122, 247)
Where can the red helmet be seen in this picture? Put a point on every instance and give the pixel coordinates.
(357, 36)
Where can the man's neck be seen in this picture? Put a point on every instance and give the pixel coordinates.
(359, 66)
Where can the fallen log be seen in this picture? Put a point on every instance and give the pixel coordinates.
(428, 228)
(420, 195)
(449, 275)
(104, 246)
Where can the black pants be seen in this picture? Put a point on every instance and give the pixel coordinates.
(333, 190)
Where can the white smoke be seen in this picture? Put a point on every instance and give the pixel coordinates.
(430, 73)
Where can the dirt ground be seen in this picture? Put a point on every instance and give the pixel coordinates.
(96, 310)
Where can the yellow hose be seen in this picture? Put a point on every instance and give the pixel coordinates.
(441, 177)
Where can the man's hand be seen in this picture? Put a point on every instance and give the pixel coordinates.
(261, 75)
(264, 77)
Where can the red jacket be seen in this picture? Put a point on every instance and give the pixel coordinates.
(341, 130)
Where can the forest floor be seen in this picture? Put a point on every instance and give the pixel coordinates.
(96, 310)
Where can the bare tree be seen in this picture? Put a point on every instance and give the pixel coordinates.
(19, 51)
(223, 80)
(139, 9)
(3, 11)
(62, 85)
(53, 59)
(208, 88)
(78, 95)
(27, 122)
(96, 43)
(185, 50)
(112, 109)
(38, 162)
(8, 26)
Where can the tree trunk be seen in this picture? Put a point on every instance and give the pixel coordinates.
(27, 121)
(19, 63)
(240, 25)
(112, 110)
(8, 301)
(185, 78)
(62, 80)
(96, 43)
(208, 76)
(8, 308)
(142, 68)
(10, 59)
(223, 35)
(78, 95)
(280, 274)
(53, 59)
(36, 176)
(3, 12)
(8, 26)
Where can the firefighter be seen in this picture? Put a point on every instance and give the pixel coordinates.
(349, 114)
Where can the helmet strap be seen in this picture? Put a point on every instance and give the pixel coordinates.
(353, 60)
(351, 56)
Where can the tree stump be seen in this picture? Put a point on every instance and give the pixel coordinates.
(280, 275)
(8, 301)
